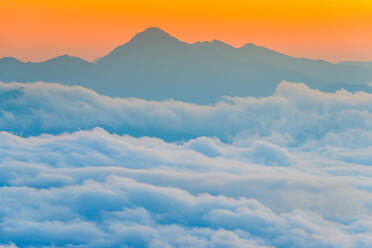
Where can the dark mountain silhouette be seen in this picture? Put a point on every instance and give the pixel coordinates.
(154, 65)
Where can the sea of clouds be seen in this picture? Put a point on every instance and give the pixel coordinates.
(78, 169)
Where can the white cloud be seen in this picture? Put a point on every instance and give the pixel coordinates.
(290, 170)
(101, 190)
(8, 246)
(296, 112)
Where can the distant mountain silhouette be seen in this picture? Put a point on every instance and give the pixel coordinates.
(154, 65)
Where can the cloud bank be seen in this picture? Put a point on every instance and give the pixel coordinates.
(301, 113)
(290, 170)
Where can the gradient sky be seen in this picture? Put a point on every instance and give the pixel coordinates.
(40, 29)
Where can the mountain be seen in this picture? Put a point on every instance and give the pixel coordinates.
(154, 65)
(63, 69)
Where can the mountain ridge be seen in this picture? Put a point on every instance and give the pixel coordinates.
(156, 30)
(155, 65)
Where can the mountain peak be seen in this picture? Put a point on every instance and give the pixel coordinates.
(61, 58)
(154, 30)
(10, 60)
(152, 34)
(66, 59)
(249, 45)
(220, 44)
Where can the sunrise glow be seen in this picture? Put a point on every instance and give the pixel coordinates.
(40, 29)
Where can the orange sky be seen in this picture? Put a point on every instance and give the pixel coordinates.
(40, 29)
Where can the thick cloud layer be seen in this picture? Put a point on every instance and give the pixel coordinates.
(291, 170)
(295, 111)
